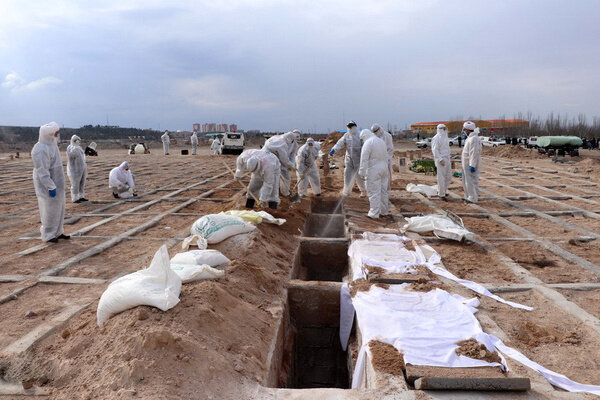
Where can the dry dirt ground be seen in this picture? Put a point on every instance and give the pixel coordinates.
(537, 229)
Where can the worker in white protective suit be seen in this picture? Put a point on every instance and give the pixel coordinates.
(374, 170)
(194, 143)
(471, 162)
(440, 147)
(282, 146)
(76, 169)
(166, 140)
(307, 171)
(49, 183)
(264, 181)
(215, 146)
(351, 141)
(389, 146)
(121, 181)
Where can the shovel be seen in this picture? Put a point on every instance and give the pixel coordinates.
(244, 186)
(293, 197)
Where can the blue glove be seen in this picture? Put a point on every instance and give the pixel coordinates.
(331, 152)
(472, 170)
(52, 192)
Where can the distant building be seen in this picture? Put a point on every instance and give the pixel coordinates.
(196, 127)
(233, 128)
(209, 127)
(222, 127)
(492, 125)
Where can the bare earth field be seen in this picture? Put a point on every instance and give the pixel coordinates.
(536, 226)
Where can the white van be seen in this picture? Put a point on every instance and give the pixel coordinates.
(232, 143)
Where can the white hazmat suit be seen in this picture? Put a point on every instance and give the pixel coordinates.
(374, 169)
(471, 165)
(76, 169)
(49, 182)
(281, 146)
(440, 147)
(194, 142)
(307, 171)
(166, 140)
(351, 141)
(121, 181)
(215, 146)
(389, 146)
(264, 181)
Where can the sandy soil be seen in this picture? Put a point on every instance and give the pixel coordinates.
(548, 336)
(218, 337)
(545, 265)
(469, 261)
(589, 300)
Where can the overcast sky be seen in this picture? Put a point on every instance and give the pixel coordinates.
(279, 65)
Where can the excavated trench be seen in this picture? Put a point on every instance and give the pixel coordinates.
(306, 351)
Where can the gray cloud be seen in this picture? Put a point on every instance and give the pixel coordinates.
(284, 64)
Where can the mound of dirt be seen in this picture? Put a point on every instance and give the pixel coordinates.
(386, 358)
(362, 285)
(330, 141)
(534, 335)
(219, 333)
(512, 152)
(424, 285)
(473, 349)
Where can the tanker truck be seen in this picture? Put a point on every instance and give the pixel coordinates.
(559, 145)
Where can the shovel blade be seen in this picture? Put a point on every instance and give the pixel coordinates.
(295, 198)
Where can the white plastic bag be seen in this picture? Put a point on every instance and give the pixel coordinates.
(157, 286)
(424, 189)
(440, 225)
(214, 228)
(200, 257)
(192, 272)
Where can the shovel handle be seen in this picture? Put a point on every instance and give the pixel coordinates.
(244, 186)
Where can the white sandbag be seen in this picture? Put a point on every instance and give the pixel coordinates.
(440, 225)
(212, 258)
(424, 189)
(214, 228)
(157, 286)
(191, 272)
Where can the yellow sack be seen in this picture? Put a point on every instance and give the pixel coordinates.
(255, 217)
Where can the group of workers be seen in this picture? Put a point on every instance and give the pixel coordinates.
(271, 168)
(368, 164)
(166, 141)
(470, 160)
(49, 179)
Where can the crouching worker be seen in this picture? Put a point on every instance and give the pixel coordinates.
(121, 181)
(264, 182)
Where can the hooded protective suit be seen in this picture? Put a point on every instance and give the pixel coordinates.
(282, 147)
(48, 176)
(215, 146)
(307, 171)
(440, 146)
(351, 141)
(120, 180)
(76, 169)
(471, 158)
(194, 142)
(264, 167)
(389, 146)
(374, 169)
(166, 140)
